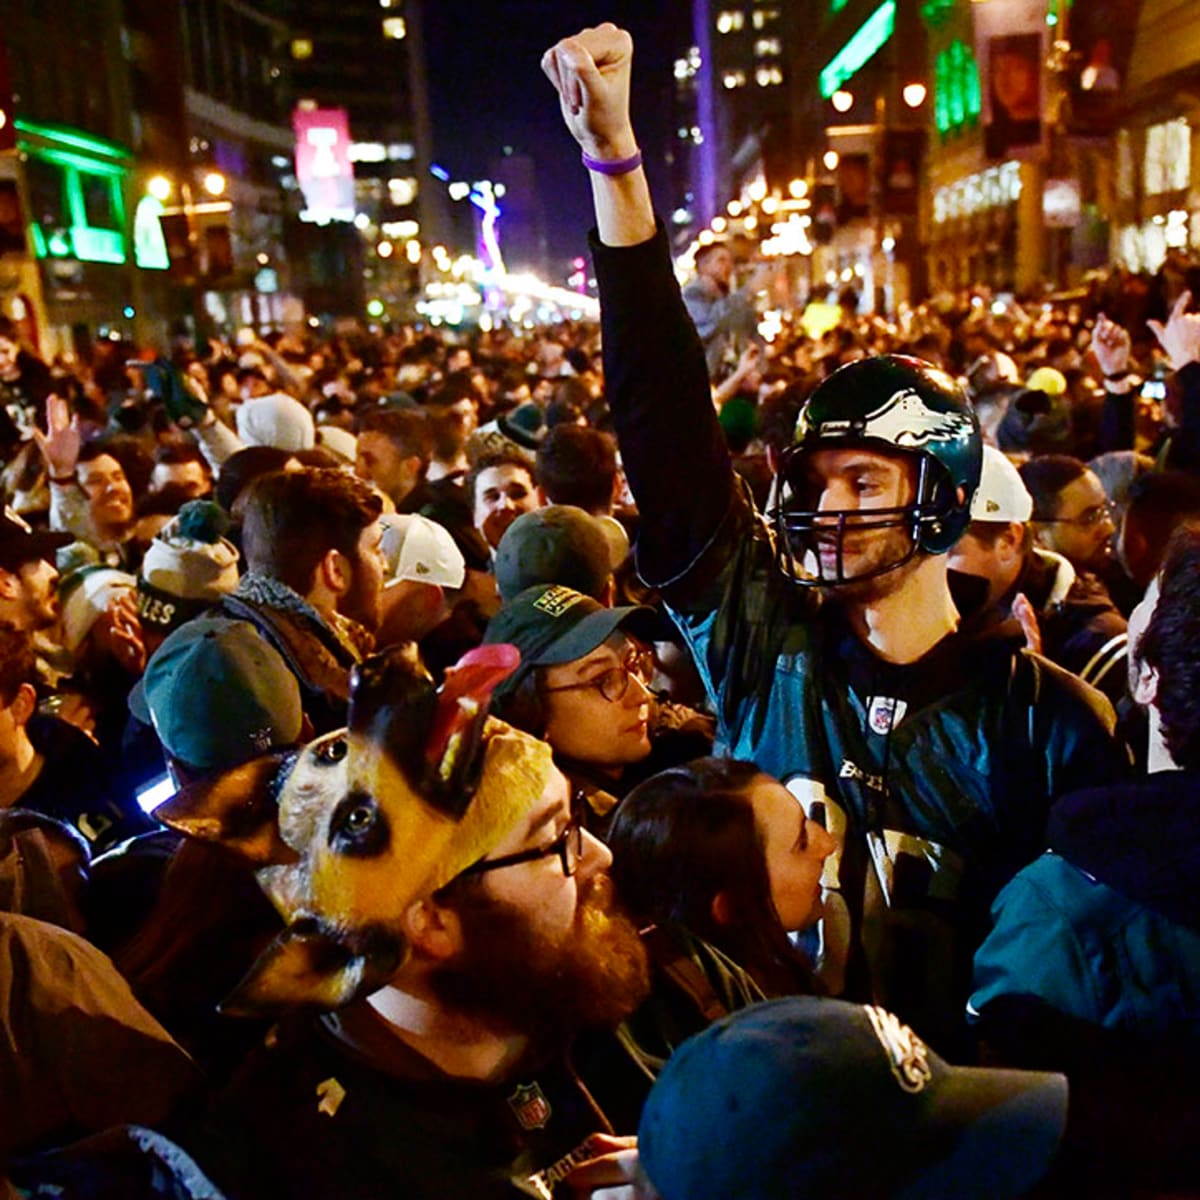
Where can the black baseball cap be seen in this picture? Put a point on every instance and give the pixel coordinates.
(808, 1096)
(21, 543)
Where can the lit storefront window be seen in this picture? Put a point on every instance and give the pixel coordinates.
(1168, 162)
(996, 187)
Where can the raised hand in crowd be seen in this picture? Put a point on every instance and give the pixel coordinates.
(1110, 345)
(749, 362)
(61, 443)
(1180, 336)
(125, 629)
(591, 72)
(1026, 617)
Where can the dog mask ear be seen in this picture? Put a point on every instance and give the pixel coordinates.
(309, 965)
(237, 810)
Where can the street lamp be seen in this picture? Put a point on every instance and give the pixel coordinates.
(214, 183)
(914, 94)
(159, 186)
(831, 158)
(797, 188)
(842, 100)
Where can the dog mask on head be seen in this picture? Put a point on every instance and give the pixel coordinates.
(348, 832)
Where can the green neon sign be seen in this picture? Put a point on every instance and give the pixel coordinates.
(957, 100)
(81, 158)
(74, 139)
(860, 49)
(76, 162)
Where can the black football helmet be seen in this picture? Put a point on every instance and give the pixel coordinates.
(894, 405)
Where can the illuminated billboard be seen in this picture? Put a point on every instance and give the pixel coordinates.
(323, 166)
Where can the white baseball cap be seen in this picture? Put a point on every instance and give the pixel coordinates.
(339, 441)
(420, 550)
(1002, 494)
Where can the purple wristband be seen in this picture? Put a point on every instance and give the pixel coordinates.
(618, 166)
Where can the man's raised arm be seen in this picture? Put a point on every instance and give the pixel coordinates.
(591, 73)
(656, 379)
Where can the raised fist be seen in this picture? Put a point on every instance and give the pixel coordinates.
(591, 72)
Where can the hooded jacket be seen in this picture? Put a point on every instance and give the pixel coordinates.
(1105, 926)
(1082, 630)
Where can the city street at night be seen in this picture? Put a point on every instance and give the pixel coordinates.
(599, 601)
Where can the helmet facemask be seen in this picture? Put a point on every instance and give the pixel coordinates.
(801, 531)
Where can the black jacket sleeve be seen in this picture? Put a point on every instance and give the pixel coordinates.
(656, 380)
(1184, 452)
(1117, 424)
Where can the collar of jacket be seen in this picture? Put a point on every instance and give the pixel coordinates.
(268, 592)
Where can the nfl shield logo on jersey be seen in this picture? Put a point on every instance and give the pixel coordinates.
(530, 1106)
(884, 714)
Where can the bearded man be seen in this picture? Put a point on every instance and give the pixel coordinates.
(467, 997)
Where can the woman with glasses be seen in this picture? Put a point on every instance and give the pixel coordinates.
(728, 853)
(584, 686)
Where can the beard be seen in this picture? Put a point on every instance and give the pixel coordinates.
(864, 552)
(362, 601)
(513, 978)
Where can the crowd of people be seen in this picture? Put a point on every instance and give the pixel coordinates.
(624, 762)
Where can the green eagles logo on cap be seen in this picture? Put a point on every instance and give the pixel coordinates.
(557, 600)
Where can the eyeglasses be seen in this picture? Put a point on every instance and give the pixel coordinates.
(614, 683)
(568, 846)
(1088, 519)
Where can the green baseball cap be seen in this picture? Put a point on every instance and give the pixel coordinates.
(552, 624)
(218, 695)
(556, 544)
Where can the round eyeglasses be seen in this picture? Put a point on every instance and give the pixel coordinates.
(614, 683)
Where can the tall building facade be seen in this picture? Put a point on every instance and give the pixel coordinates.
(149, 175)
(227, 172)
(731, 102)
(66, 168)
(368, 57)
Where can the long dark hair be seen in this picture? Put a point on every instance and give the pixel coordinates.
(687, 835)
